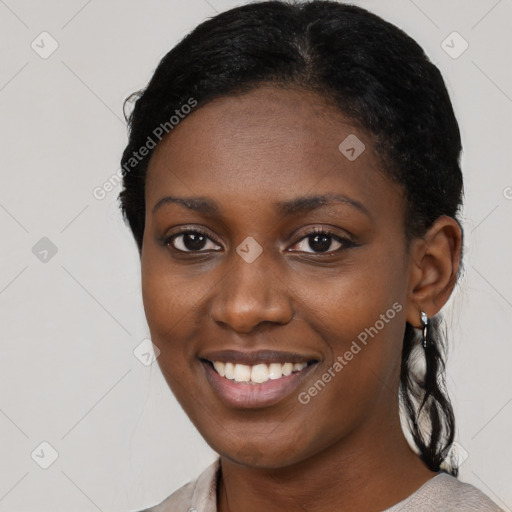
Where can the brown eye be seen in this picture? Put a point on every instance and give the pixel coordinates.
(190, 240)
(321, 241)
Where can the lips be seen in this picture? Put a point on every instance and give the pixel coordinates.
(255, 379)
(253, 358)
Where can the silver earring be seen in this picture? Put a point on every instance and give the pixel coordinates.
(424, 328)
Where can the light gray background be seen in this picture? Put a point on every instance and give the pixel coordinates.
(69, 325)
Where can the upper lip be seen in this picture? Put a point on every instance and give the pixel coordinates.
(256, 357)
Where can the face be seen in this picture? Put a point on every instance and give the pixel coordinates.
(279, 317)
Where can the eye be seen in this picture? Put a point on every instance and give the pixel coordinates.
(195, 240)
(321, 239)
(190, 240)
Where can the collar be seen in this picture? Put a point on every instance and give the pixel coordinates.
(204, 495)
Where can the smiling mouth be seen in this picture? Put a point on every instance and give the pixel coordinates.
(258, 373)
(255, 380)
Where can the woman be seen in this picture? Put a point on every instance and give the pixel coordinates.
(292, 181)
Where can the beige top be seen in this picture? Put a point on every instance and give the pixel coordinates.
(442, 493)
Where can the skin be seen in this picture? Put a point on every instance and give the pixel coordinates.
(345, 449)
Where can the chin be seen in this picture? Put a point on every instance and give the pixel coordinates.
(261, 455)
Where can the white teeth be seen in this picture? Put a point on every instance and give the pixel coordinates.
(242, 373)
(258, 373)
(275, 371)
(229, 370)
(220, 367)
(287, 369)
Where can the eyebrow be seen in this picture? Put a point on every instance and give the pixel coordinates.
(284, 208)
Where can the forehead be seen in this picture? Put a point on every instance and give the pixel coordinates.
(266, 145)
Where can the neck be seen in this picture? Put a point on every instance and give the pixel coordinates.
(368, 471)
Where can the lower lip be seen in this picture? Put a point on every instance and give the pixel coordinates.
(246, 395)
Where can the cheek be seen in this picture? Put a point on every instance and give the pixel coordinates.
(359, 315)
(170, 303)
(349, 300)
(170, 309)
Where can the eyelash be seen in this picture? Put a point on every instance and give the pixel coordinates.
(345, 242)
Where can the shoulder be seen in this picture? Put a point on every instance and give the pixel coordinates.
(445, 493)
(197, 496)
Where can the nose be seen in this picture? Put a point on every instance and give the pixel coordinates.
(251, 294)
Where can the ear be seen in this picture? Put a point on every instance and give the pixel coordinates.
(434, 264)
